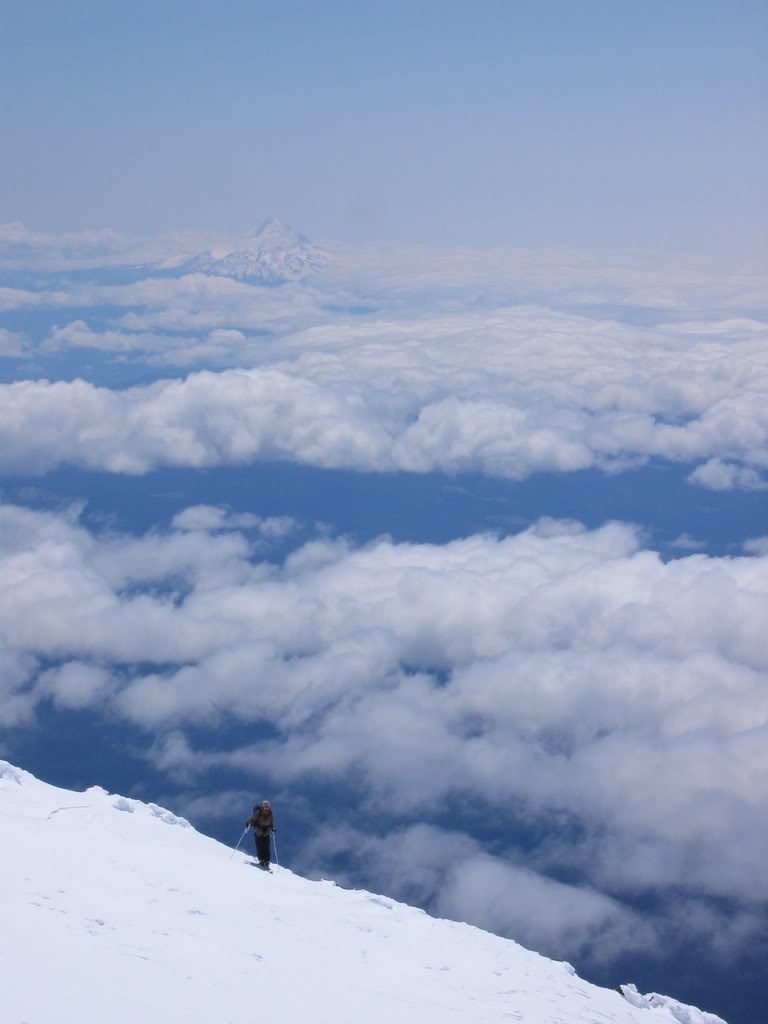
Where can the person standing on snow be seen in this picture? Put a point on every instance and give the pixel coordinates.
(263, 823)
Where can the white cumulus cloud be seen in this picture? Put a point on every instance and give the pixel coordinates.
(524, 392)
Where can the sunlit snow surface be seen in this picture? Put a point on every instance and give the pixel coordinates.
(115, 910)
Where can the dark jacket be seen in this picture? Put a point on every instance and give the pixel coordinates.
(262, 821)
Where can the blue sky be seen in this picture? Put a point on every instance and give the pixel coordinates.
(449, 518)
(501, 123)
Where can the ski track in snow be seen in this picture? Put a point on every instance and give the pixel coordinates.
(118, 917)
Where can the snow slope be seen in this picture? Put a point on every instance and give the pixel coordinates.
(115, 910)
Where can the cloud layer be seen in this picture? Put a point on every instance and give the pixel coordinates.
(561, 679)
(519, 391)
(507, 364)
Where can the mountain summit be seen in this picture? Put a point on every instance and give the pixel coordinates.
(271, 254)
(116, 910)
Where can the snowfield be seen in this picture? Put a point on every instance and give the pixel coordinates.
(117, 911)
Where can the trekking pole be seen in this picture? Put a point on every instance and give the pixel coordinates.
(242, 837)
(274, 840)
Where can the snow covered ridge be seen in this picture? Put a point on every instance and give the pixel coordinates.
(128, 919)
(272, 254)
(680, 1011)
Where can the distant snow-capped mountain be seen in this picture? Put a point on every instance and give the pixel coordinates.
(271, 254)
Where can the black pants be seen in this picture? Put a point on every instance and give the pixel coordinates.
(262, 847)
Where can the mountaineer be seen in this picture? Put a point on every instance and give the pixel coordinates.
(263, 823)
